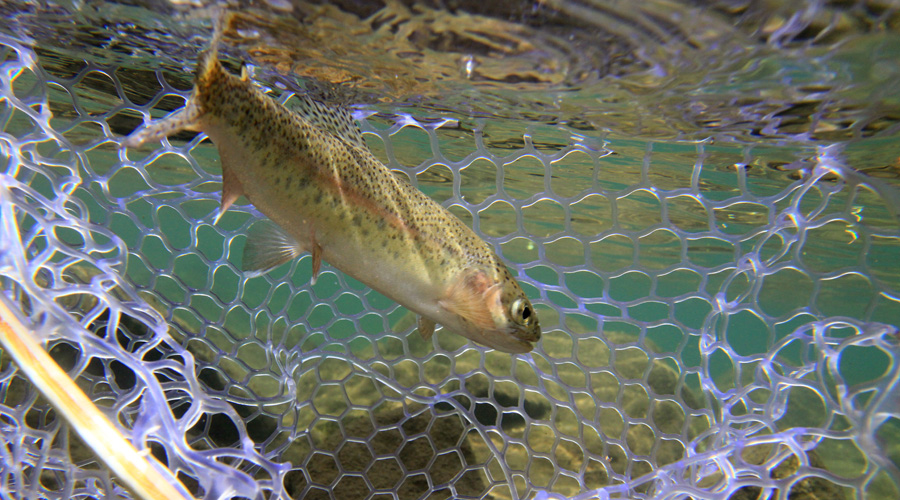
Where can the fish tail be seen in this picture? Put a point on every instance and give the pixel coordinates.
(188, 118)
(208, 65)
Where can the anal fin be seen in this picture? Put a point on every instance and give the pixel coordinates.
(231, 191)
(268, 247)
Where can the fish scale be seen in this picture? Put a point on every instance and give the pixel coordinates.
(309, 171)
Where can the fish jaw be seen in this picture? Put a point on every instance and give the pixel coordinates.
(501, 341)
(504, 339)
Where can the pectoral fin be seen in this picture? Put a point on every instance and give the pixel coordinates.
(268, 247)
(316, 258)
(426, 327)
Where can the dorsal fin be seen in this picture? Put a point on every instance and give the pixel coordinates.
(333, 119)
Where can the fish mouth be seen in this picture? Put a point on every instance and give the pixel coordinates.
(511, 342)
(527, 334)
(508, 339)
(512, 346)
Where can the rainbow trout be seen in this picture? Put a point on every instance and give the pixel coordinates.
(310, 172)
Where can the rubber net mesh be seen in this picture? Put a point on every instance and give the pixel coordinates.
(714, 327)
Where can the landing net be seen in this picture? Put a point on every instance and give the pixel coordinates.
(718, 319)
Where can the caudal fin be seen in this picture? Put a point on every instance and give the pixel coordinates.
(208, 62)
(187, 118)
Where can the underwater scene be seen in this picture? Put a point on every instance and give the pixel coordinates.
(698, 201)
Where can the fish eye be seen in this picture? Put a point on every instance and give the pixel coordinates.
(521, 311)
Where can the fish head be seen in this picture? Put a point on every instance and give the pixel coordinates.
(518, 328)
(491, 309)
